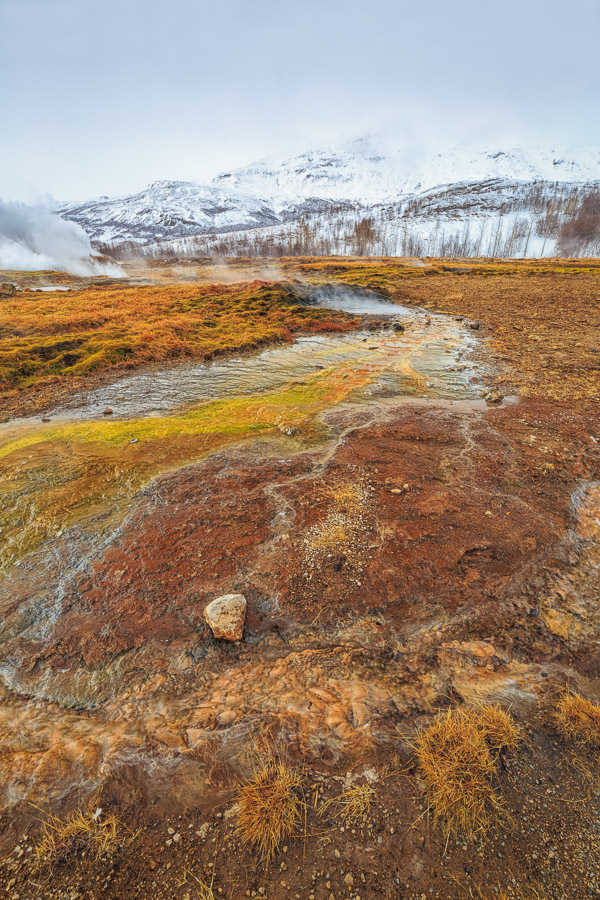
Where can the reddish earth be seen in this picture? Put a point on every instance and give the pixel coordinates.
(424, 553)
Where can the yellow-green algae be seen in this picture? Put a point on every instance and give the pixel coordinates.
(229, 416)
(55, 475)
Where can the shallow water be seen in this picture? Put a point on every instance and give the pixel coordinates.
(49, 287)
(429, 359)
(88, 459)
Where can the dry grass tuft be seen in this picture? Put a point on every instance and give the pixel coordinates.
(577, 719)
(457, 768)
(354, 803)
(84, 831)
(347, 494)
(515, 892)
(500, 729)
(203, 890)
(271, 805)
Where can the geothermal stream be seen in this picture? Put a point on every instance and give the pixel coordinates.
(430, 359)
(99, 674)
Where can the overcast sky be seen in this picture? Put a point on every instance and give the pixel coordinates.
(105, 96)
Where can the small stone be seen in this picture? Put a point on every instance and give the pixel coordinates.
(493, 397)
(108, 411)
(348, 879)
(170, 831)
(227, 717)
(176, 838)
(226, 616)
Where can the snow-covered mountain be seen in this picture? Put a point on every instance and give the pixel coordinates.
(370, 170)
(175, 209)
(366, 176)
(167, 209)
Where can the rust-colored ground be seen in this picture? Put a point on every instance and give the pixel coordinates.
(426, 554)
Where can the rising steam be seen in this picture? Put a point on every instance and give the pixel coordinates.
(34, 237)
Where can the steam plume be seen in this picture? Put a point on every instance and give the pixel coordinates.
(33, 237)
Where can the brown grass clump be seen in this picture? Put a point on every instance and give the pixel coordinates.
(271, 805)
(457, 767)
(84, 831)
(501, 731)
(577, 719)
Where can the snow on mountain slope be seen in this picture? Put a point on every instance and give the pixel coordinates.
(169, 208)
(350, 178)
(493, 218)
(371, 169)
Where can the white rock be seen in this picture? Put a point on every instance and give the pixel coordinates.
(226, 616)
